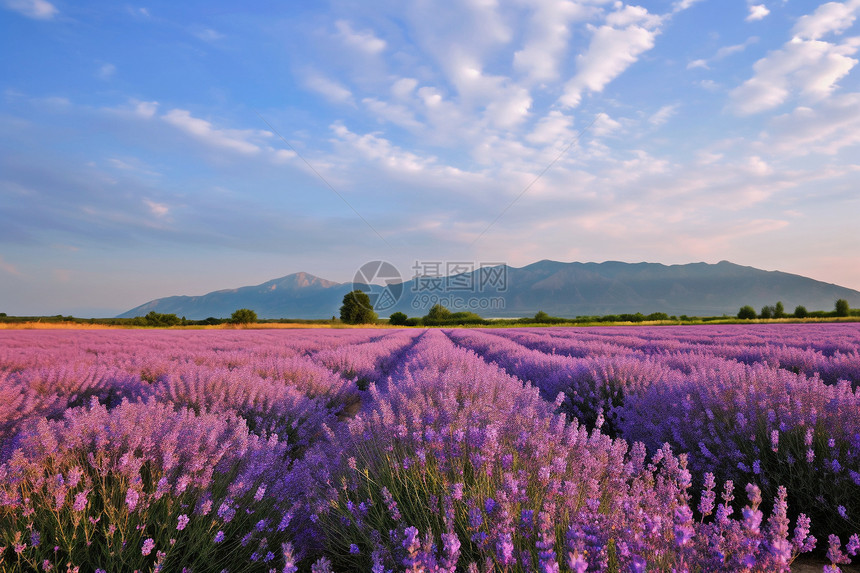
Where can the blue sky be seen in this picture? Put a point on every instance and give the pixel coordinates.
(158, 148)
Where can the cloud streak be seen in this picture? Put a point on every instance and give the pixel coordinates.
(36, 9)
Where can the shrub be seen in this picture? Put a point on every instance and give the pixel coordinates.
(243, 316)
(397, 319)
(800, 312)
(842, 308)
(746, 313)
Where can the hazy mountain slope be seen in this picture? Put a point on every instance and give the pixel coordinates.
(561, 289)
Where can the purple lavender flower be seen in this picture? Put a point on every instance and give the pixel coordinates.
(289, 559)
(80, 503)
(182, 521)
(148, 546)
(131, 498)
(411, 543)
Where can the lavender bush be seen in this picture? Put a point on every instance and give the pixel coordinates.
(714, 448)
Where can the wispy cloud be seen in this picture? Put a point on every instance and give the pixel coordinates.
(202, 130)
(328, 88)
(36, 9)
(206, 34)
(363, 40)
(723, 53)
(106, 71)
(663, 114)
(158, 209)
(806, 65)
(828, 128)
(9, 268)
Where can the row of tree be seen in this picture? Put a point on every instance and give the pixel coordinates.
(777, 310)
(162, 320)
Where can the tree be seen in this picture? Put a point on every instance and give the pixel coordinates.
(541, 316)
(746, 312)
(243, 316)
(842, 308)
(397, 319)
(779, 310)
(800, 312)
(438, 312)
(153, 318)
(357, 309)
(766, 312)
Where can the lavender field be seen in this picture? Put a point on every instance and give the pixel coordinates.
(702, 448)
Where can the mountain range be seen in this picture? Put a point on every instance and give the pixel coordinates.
(560, 289)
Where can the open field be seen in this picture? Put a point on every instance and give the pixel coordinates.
(572, 449)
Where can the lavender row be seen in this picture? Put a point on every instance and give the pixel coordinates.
(367, 362)
(587, 388)
(457, 465)
(241, 447)
(753, 421)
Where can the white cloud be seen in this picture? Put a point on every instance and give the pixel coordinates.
(727, 51)
(404, 87)
(663, 114)
(722, 53)
(207, 34)
(106, 71)
(547, 39)
(604, 125)
(633, 16)
(827, 129)
(157, 209)
(364, 40)
(555, 128)
(132, 164)
(611, 51)
(832, 17)
(330, 89)
(509, 109)
(204, 131)
(138, 12)
(758, 166)
(757, 12)
(810, 67)
(146, 108)
(680, 5)
(37, 9)
(395, 113)
(372, 147)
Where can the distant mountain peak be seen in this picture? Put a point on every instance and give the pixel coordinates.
(558, 288)
(299, 280)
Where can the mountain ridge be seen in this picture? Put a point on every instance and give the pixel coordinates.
(558, 288)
